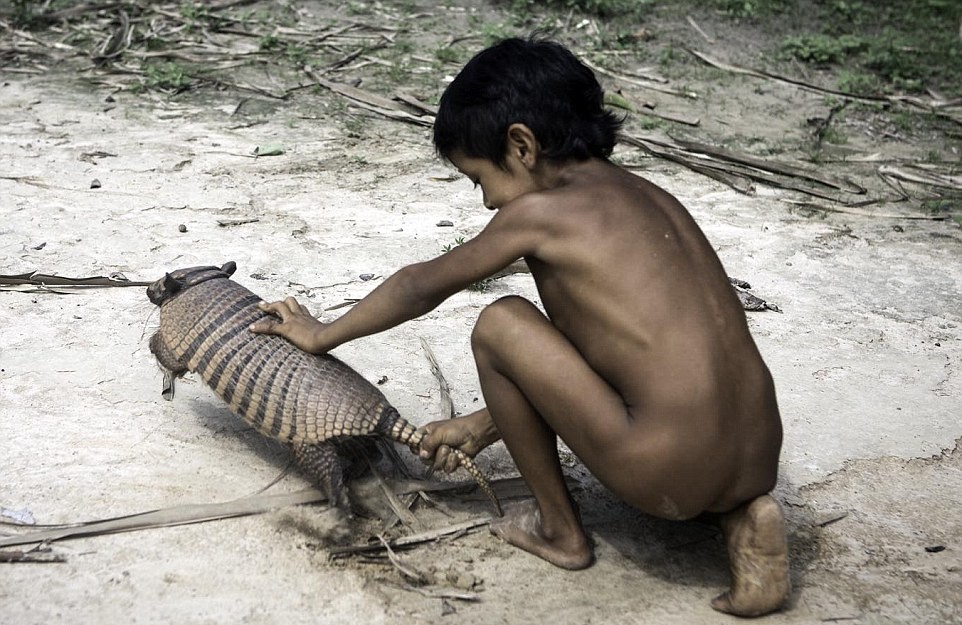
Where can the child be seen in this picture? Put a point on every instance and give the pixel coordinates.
(643, 363)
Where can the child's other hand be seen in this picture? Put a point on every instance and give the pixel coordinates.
(470, 434)
(296, 324)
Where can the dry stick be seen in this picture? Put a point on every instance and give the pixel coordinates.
(430, 109)
(40, 279)
(371, 101)
(767, 75)
(447, 406)
(854, 210)
(229, 4)
(771, 166)
(178, 515)
(444, 593)
(79, 10)
(945, 181)
(640, 83)
(742, 184)
(117, 42)
(741, 164)
(401, 511)
(458, 529)
(932, 106)
(410, 573)
(694, 24)
(30, 556)
(400, 116)
(649, 110)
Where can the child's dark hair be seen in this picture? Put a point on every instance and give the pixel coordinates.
(538, 83)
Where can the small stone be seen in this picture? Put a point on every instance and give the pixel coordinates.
(95, 184)
(935, 548)
(182, 228)
(366, 276)
(445, 223)
(462, 580)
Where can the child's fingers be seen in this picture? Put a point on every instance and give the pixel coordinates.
(444, 460)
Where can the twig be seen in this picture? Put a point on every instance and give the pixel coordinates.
(229, 223)
(641, 83)
(944, 181)
(40, 279)
(457, 529)
(177, 515)
(447, 405)
(933, 106)
(854, 210)
(410, 573)
(444, 593)
(400, 510)
(32, 556)
(771, 166)
(694, 24)
(649, 110)
(711, 159)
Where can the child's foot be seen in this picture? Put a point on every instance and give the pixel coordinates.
(521, 526)
(758, 555)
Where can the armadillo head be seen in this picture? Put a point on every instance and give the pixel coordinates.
(174, 282)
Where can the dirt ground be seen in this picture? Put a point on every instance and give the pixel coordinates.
(866, 355)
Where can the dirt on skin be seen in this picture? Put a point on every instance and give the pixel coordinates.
(865, 354)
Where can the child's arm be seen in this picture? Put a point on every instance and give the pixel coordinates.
(412, 291)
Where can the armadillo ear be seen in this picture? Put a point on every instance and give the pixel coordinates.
(171, 284)
(229, 268)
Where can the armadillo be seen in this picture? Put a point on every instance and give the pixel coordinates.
(313, 402)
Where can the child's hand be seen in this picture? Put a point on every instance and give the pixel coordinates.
(296, 324)
(470, 434)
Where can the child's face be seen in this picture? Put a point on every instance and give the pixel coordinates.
(498, 186)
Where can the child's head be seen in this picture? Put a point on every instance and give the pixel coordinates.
(533, 82)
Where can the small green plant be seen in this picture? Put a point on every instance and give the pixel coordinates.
(481, 285)
(23, 12)
(197, 15)
(166, 77)
(268, 43)
(858, 83)
(600, 8)
(295, 54)
(446, 54)
(358, 8)
(942, 206)
(907, 46)
(822, 49)
(492, 33)
(752, 9)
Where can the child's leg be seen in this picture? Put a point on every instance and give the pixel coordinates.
(537, 387)
(523, 363)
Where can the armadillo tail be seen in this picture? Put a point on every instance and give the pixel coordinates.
(469, 466)
(396, 427)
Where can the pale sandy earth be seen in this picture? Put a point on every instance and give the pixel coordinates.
(866, 356)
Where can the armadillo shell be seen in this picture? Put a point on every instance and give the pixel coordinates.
(283, 392)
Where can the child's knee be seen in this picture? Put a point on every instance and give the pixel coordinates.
(500, 318)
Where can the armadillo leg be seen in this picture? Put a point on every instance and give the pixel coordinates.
(322, 464)
(165, 356)
(173, 367)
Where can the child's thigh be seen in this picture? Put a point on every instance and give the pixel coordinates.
(655, 472)
(517, 342)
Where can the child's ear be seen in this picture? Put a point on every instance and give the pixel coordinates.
(523, 144)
